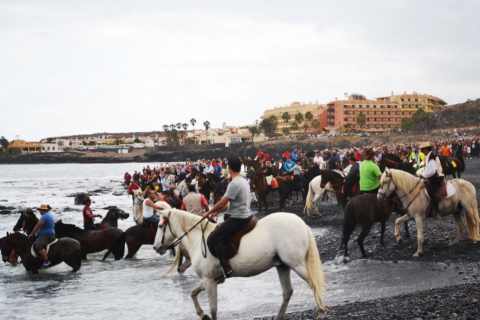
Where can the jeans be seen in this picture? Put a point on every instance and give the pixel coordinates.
(153, 220)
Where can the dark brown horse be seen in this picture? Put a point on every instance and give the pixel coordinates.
(258, 182)
(364, 210)
(112, 216)
(91, 241)
(25, 224)
(459, 166)
(336, 183)
(64, 250)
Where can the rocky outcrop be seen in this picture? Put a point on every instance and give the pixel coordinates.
(457, 116)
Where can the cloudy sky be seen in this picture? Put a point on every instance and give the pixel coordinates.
(74, 67)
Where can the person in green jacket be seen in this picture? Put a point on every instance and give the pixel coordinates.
(369, 173)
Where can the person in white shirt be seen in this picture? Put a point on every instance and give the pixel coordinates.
(432, 172)
(318, 160)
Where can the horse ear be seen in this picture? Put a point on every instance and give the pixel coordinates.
(388, 172)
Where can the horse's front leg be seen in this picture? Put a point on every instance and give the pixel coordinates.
(199, 287)
(211, 288)
(419, 221)
(397, 228)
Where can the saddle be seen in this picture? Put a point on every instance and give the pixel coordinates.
(442, 191)
(233, 243)
(34, 252)
(152, 227)
(354, 188)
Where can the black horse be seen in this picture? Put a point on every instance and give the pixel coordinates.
(91, 241)
(25, 223)
(112, 216)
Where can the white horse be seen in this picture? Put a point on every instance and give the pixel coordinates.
(411, 191)
(264, 247)
(315, 188)
(137, 206)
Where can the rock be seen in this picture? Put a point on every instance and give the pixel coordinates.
(3, 200)
(79, 198)
(2, 212)
(118, 193)
(7, 208)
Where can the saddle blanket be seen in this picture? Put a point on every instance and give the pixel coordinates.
(451, 191)
(34, 253)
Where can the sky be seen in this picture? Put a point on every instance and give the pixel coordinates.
(82, 67)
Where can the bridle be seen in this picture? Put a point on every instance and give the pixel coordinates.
(179, 240)
(384, 194)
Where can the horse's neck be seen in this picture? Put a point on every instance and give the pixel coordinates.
(336, 177)
(19, 243)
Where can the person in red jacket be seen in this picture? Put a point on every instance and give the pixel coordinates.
(358, 155)
(286, 154)
(127, 177)
(132, 187)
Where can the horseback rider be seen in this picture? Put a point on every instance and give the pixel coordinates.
(433, 173)
(446, 153)
(352, 178)
(268, 174)
(88, 216)
(45, 233)
(148, 209)
(369, 173)
(237, 200)
(411, 156)
(288, 165)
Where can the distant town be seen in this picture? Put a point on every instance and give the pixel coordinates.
(355, 113)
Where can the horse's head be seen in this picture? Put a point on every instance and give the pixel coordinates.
(386, 185)
(327, 177)
(118, 213)
(19, 223)
(5, 249)
(164, 237)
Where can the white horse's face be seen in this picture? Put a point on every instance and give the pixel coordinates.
(164, 237)
(386, 185)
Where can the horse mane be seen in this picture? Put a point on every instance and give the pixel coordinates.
(336, 172)
(405, 181)
(70, 228)
(188, 220)
(391, 156)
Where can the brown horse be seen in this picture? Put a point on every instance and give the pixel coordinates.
(364, 210)
(258, 182)
(459, 166)
(336, 183)
(64, 250)
(91, 241)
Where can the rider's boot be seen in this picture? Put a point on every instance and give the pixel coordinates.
(222, 256)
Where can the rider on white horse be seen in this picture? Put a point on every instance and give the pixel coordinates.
(237, 200)
(432, 172)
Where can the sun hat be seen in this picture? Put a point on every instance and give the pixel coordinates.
(425, 145)
(368, 152)
(44, 207)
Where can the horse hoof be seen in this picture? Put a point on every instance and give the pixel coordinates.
(417, 255)
(205, 317)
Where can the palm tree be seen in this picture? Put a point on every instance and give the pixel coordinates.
(305, 127)
(179, 125)
(361, 119)
(185, 126)
(294, 126)
(193, 121)
(172, 126)
(308, 116)
(299, 118)
(206, 124)
(254, 131)
(165, 127)
(285, 131)
(286, 117)
(315, 124)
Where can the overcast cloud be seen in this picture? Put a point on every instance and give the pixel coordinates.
(78, 67)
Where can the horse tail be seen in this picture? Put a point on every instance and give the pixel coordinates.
(175, 262)
(463, 163)
(473, 221)
(315, 276)
(308, 202)
(117, 248)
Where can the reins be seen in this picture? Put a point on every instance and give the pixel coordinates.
(179, 240)
(406, 193)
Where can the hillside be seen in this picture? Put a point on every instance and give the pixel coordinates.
(462, 115)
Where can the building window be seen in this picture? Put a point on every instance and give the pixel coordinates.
(367, 106)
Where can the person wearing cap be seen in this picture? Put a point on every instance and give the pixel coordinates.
(88, 216)
(369, 173)
(44, 232)
(433, 173)
(352, 178)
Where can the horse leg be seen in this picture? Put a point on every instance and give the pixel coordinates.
(360, 240)
(348, 228)
(211, 288)
(284, 275)
(407, 233)
(404, 218)
(382, 233)
(419, 221)
(458, 219)
(132, 249)
(199, 287)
